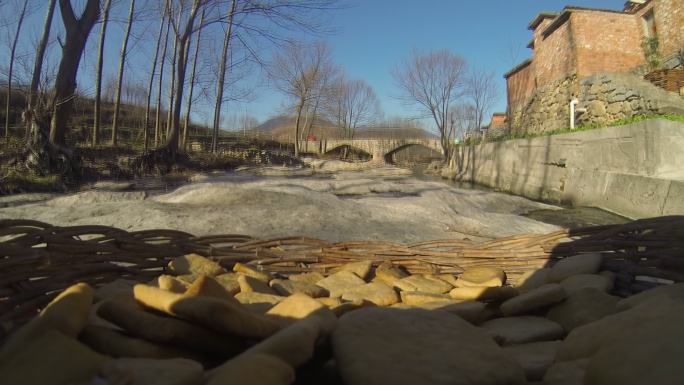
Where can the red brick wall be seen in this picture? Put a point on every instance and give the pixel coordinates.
(553, 56)
(606, 42)
(669, 19)
(498, 121)
(519, 87)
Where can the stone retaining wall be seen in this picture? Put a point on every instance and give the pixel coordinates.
(604, 98)
(633, 170)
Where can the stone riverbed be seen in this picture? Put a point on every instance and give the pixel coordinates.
(332, 200)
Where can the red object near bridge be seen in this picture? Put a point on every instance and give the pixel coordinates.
(311, 138)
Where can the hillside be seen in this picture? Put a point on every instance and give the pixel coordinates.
(282, 127)
(131, 117)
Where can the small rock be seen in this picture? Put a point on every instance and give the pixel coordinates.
(187, 278)
(675, 292)
(483, 293)
(258, 302)
(221, 316)
(49, 358)
(360, 268)
(229, 281)
(532, 279)
(346, 307)
(125, 313)
(329, 302)
(294, 344)
(648, 354)
(540, 297)
(195, 264)
(577, 264)
(535, 358)
(389, 274)
(299, 306)
(250, 284)
(338, 283)
(566, 373)
(423, 284)
(648, 325)
(582, 307)
(312, 277)
(139, 371)
(170, 283)
(287, 287)
(417, 298)
(253, 369)
(376, 293)
(520, 330)
(482, 276)
(249, 271)
(586, 281)
(448, 278)
(205, 286)
(115, 288)
(395, 346)
(471, 311)
(116, 344)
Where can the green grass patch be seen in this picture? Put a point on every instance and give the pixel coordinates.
(584, 127)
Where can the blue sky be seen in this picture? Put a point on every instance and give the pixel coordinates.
(369, 39)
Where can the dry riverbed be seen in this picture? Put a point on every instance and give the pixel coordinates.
(333, 201)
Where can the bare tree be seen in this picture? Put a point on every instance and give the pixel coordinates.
(222, 77)
(122, 62)
(98, 80)
(433, 81)
(299, 71)
(77, 32)
(182, 35)
(463, 121)
(193, 72)
(352, 103)
(157, 124)
(481, 90)
(31, 115)
(15, 40)
(151, 82)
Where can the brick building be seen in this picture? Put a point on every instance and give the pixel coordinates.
(580, 42)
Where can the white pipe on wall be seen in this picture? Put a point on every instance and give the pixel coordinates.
(573, 103)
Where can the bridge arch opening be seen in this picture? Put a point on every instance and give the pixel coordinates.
(347, 152)
(412, 154)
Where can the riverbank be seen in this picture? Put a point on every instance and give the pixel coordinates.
(632, 170)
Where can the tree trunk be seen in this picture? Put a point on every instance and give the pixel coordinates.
(119, 83)
(173, 78)
(157, 123)
(299, 117)
(98, 80)
(183, 42)
(184, 141)
(77, 31)
(151, 83)
(32, 115)
(11, 68)
(222, 78)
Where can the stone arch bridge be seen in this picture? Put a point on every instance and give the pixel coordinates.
(379, 149)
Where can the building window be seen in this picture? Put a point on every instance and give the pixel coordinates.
(650, 29)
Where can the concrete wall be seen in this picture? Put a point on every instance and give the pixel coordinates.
(635, 170)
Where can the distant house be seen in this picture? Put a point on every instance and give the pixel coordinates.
(580, 42)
